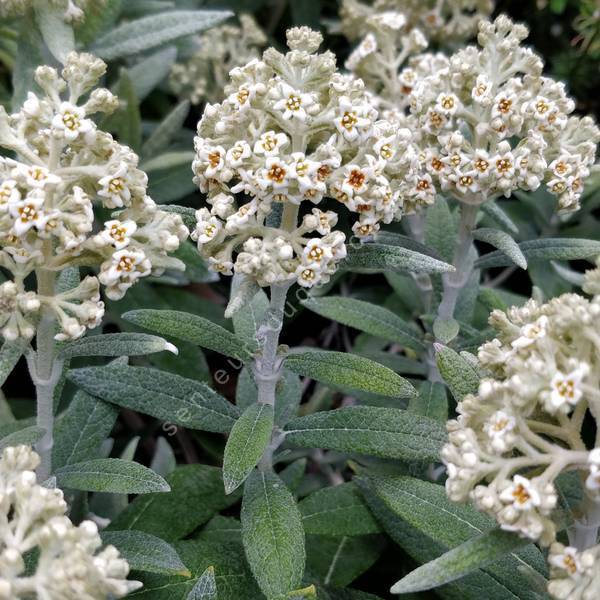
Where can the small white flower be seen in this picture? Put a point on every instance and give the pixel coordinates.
(270, 143)
(207, 227)
(530, 333)
(238, 153)
(293, 103)
(9, 194)
(70, 121)
(499, 428)
(115, 189)
(29, 212)
(521, 494)
(34, 176)
(116, 233)
(353, 121)
(566, 388)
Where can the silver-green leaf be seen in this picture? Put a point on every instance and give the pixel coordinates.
(350, 370)
(206, 586)
(166, 396)
(368, 317)
(473, 554)
(146, 552)
(504, 242)
(110, 475)
(384, 432)
(246, 444)
(116, 344)
(458, 374)
(191, 328)
(154, 30)
(375, 258)
(544, 249)
(272, 534)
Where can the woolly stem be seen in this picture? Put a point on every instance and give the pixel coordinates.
(45, 373)
(454, 282)
(267, 367)
(583, 533)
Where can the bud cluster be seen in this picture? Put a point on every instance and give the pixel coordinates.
(490, 124)
(522, 429)
(64, 166)
(446, 21)
(70, 564)
(293, 131)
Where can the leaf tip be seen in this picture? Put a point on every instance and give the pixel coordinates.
(171, 348)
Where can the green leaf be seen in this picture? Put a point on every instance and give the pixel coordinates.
(338, 561)
(445, 330)
(421, 548)
(116, 344)
(27, 436)
(293, 474)
(191, 328)
(460, 561)
(29, 56)
(337, 511)
(425, 506)
(149, 72)
(206, 586)
(385, 432)
(154, 30)
(161, 137)
(272, 534)
(368, 317)
(126, 121)
(162, 395)
(249, 317)
(440, 229)
(169, 176)
(82, 430)
(431, 402)
(458, 374)
(163, 461)
(232, 575)
(375, 258)
(110, 475)
(196, 495)
(246, 444)
(504, 242)
(10, 353)
(57, 34)
(343, 369)
(544, 249)
(222, 529)
(497, 214)
(146, 552)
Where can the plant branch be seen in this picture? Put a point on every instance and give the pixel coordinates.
(45, 373)
(454, 282)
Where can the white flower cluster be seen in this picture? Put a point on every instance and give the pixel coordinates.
(574, 575)
(492, 124)
(70, 564)
(447, 21)
(205, 74)
(523, 427)
(63, 165)
(74, 10)
(293, 131)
